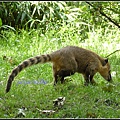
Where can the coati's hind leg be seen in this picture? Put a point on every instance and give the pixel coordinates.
(61, 74)
(62, 69)
(55, 78)
(64, 73)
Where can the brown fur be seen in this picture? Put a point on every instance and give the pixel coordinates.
(66, 62)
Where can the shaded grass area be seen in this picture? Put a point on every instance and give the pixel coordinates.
(27, 91)
(81, 102)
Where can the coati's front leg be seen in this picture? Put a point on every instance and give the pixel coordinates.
(88, 75)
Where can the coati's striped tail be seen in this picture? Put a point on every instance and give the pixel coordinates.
(23, 65)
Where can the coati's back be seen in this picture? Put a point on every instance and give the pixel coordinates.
(82, 56)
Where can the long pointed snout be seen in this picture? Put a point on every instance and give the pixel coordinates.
(110, 78)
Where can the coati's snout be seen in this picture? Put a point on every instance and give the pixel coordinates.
(108, 77)
(105, 71)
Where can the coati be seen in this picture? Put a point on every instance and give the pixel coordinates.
(66, 61)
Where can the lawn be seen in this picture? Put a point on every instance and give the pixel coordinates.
(32, 90)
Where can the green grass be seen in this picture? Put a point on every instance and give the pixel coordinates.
(81, 102)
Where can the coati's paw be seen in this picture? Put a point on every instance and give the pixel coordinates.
(92, 83)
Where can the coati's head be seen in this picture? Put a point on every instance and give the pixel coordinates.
(105, 70)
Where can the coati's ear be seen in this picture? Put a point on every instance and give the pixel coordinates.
(106, 60)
